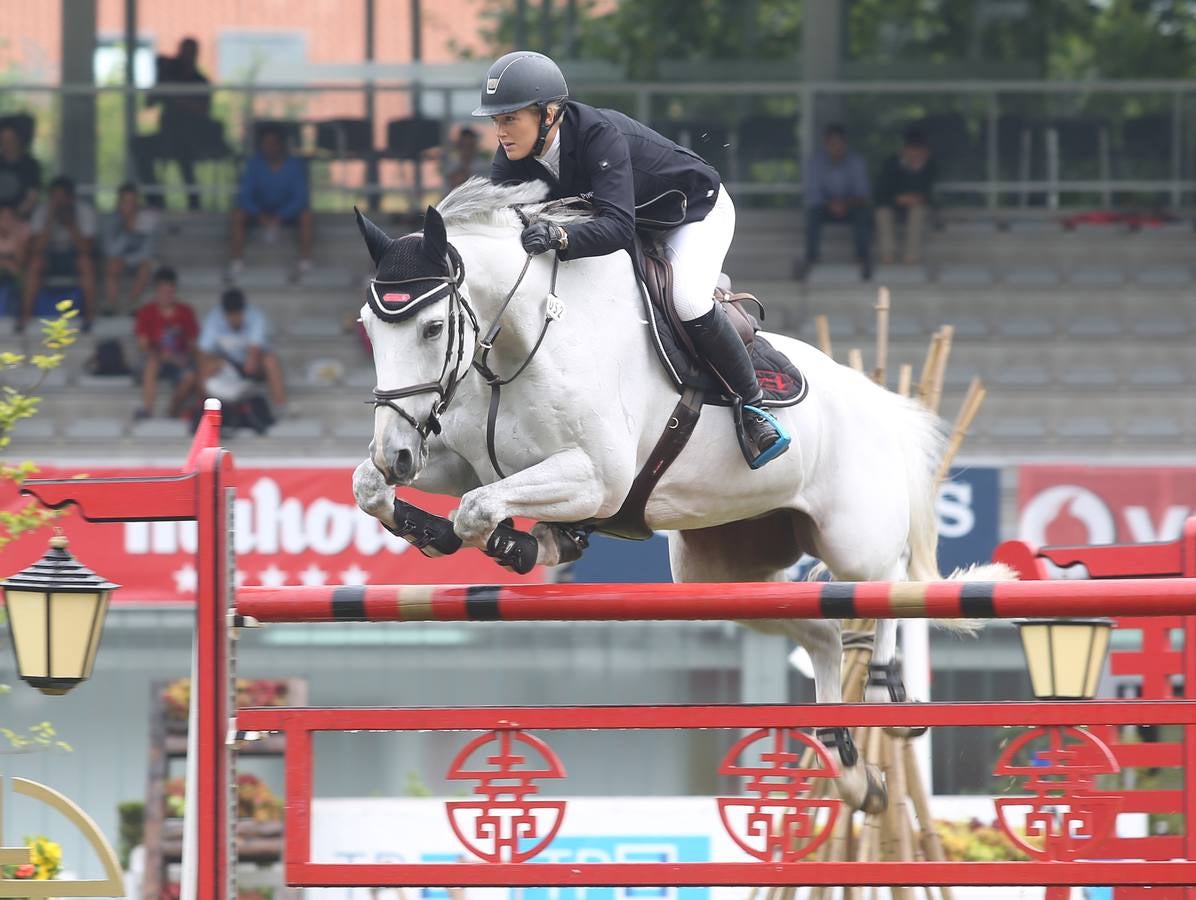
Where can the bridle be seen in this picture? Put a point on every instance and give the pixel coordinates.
(459, 312)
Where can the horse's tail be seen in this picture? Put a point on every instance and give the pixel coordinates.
(924, 441)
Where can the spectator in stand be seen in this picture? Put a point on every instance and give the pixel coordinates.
(14, 251)
(185, 128)
(64, 229)
(130, 248)
(273, 193)
(166, 331)
(836, 189)
(20, 173)
(905, 191)
(237, 335)
(465, 161)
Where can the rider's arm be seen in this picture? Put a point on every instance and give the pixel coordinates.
(606, 158)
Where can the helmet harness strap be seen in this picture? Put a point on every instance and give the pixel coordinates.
(545, 125)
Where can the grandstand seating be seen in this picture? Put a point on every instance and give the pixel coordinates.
(1082, 336)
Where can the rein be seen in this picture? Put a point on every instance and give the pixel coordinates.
(459, 311)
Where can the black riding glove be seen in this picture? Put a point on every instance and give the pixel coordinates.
(540, 237)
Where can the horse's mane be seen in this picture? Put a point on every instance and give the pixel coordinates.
(478, 202)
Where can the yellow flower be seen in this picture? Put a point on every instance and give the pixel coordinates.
(47, 857)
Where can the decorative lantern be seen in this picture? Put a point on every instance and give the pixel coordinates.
(56, 611)
(1065, 656)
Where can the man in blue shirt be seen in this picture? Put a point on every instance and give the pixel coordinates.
(836, 190)
(234, 346)
(273, 193)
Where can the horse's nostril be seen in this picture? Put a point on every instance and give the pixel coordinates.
(403, 463)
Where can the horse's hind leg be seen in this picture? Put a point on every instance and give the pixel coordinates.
(761, 550)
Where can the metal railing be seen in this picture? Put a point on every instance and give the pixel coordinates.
(999, 143)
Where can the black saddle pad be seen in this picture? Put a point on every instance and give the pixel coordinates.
(782, 382)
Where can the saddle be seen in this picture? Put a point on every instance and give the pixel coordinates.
(781, 381)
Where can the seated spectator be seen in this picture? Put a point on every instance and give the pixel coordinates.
(904, 191)
(236, 337)
(63, 229)
(130, 247)
(465, 161)
(186, 129)
(836, 190)
(273, 193)
(166, 331)
(14, 250)
(20, 173)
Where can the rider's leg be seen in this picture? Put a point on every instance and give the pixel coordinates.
(697, 251)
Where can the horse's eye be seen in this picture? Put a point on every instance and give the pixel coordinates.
(433, 329)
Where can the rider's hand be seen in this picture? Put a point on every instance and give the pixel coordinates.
(540, 237)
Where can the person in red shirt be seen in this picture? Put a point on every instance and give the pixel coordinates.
(166, 331)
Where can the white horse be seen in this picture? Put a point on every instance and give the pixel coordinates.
(855, 490)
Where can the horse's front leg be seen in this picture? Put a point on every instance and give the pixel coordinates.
(431, 534)
(565, 487)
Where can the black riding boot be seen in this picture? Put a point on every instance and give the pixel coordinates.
(761, 437)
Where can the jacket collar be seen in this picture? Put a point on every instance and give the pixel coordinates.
(567, 135)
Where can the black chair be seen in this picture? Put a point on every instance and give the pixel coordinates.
(412, 137)
(24, 124)
(762, 138)
(1145, 146)
(346, 138)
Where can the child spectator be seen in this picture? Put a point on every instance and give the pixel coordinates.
(836, 190)
(14, 249)
(20, 173)
(273, 193)
(905, 190)
(130, 247)
(64, 228)
(236, 336)
(166, 331)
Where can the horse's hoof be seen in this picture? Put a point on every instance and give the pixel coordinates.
(906, 732)
(876, 794)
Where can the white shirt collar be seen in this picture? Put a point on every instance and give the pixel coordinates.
(551, 158)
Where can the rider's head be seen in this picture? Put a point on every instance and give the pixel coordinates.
(523, 94)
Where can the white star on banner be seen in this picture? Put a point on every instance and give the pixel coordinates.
(186, 579)
(239, 578)
(272, 577)
(354, 575)
(313, 576)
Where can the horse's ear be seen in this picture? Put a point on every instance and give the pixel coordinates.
(376, 240)
(435, 237)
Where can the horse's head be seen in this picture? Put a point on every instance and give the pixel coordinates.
(422, 329)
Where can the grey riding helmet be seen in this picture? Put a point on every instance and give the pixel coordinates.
(522, 79)
(519, 79)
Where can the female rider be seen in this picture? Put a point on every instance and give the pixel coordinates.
(624, 167)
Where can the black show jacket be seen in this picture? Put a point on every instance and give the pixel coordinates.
(633, 176)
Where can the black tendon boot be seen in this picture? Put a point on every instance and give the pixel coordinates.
(761, 437)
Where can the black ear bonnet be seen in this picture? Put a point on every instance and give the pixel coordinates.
(412, 271)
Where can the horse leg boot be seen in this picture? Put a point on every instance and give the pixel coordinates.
(430, 534)
(565, 487)
(862, 786)
(885, 683)
(761, 437)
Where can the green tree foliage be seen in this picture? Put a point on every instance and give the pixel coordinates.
(20, 377)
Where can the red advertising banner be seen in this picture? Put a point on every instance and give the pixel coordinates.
(294, 526)
(1104, 504)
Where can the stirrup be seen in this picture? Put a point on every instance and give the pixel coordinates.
(779, 446)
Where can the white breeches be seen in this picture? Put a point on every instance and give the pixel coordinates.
(697, 251)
